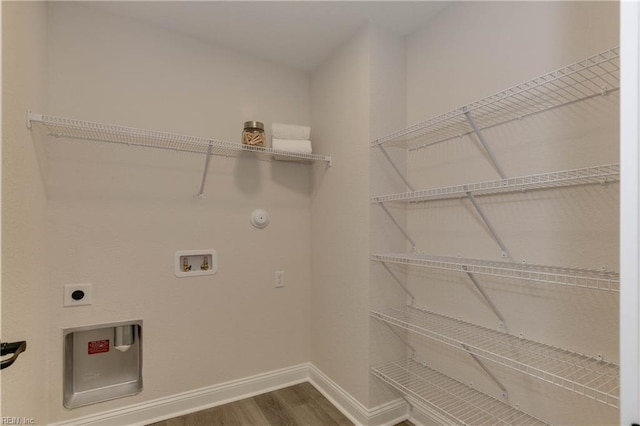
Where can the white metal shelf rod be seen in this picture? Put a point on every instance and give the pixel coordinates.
(492, 230)
(484, 144)
(400, 227)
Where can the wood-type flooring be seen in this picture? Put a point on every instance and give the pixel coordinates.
(296, 405)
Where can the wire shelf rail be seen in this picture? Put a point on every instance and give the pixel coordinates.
(91, 131)
(583, 176)
(581, 374)
(591, 77)
(573, 277)
(455, 402)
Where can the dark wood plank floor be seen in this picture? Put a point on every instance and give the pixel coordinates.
(296, 405)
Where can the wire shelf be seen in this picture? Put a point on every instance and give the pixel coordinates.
(584, 375)
(591, 77)
(573, 277)
(454, 401)
(583, 176)
(91, 131)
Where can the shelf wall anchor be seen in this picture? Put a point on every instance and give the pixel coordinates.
(483, 142)
(395, 222)
(494, 234)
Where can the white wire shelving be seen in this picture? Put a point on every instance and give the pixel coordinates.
(584, 375)
(572, 277)
(591, 77)
(453, 401)
(583, 176)
(90, 131)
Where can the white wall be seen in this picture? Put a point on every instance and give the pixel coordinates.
(340, 218)
(24, 268)
(471, 50)
(116, 215)
(388, 100)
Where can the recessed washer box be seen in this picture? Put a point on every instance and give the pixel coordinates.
(193, 263)
(102, 362)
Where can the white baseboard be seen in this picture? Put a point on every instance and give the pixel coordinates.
(386, 414)
(212, 396)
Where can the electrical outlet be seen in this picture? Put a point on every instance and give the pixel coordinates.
(279, 279)
(78, 294)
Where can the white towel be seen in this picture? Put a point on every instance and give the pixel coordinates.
(290, 131)
(298, 146)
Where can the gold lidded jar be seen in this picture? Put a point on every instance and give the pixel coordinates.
(253, 133)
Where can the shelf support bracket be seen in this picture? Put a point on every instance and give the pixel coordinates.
(206, 169)
(503, 323)
(487, 223)
(483, 142)
(402, 339)
(397, 170)
(402, 230)
(395, 277)
(505, 394)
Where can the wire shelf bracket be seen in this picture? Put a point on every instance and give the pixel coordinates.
(483, 142)
(399, 281)
(61, 127)
(395, 168)
(398, 336)
(402, 230)
(492, 376)
(206, 169)
(485, 296)
(487, 223)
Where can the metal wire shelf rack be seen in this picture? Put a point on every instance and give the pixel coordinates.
(591, 77)
(91, 131)
(454, 402)
(584, 375)
(587, 175)
(572, 277)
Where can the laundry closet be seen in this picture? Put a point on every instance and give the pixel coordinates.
(447, 253)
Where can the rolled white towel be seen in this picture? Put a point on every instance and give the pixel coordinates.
(298, 146)
(290, 131)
